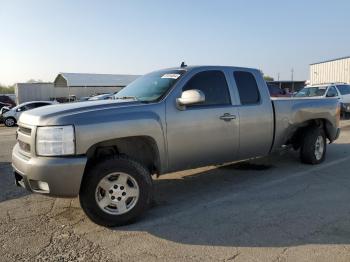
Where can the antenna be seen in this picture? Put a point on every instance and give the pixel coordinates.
(183, 65)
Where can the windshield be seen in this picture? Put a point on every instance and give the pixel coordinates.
(344, 89)
(150, 87)
(312, 91)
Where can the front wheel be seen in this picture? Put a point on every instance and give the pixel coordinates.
(10, 122)
(116, 192)
(314, 146)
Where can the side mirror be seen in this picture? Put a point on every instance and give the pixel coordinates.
(191, 97)
(18, 110)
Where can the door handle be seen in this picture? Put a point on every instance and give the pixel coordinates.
(227, 117)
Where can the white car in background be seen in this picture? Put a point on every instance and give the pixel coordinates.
(337, 90)
(101, 97)
(11, 116)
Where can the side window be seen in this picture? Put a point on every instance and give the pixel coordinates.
(247, 87)
(344, 89)
(29, 106)
(40, 104)
(332, 92)
(214, 86)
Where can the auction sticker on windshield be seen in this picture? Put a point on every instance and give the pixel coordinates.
(173, 76)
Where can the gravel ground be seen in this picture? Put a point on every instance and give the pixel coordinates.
(270, 209)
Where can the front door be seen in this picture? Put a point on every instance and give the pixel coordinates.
(206, 133)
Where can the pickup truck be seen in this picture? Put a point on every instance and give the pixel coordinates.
(169, 120)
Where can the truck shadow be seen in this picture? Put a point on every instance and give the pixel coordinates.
(274, 201)
(7, 185)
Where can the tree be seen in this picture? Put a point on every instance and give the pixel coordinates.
(268, 78)
(7, 89)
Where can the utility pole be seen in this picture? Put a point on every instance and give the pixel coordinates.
(278, 79)
(292, 80)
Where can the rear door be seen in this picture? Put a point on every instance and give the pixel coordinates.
(344, 91)
(256, 117)
(202, 134)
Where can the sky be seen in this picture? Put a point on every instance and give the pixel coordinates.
(40, 38)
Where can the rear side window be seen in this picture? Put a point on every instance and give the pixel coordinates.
(214, 86)
(344, 89)
(332, 92)
(29, 106)
(40, 104)
(247, 88)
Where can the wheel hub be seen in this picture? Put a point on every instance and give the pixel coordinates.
(319, 147)
(117, 193)
(9, 121)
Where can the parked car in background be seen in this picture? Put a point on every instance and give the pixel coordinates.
(336, 90)
(101, 97)
(276, 91)
(4, 107)
(84, 98)
(4, 104)
(7, 100)
(165, 121)
(11, 115)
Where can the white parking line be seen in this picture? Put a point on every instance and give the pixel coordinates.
(301, 173)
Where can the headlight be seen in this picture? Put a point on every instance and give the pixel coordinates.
(55, 141)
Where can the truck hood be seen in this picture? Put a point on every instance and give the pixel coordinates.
(68, 113)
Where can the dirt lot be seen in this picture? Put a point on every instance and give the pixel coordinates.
(271, 209)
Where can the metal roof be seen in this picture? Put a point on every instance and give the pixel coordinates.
(330, 60)
(83, 80)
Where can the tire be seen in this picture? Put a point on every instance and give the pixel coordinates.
(314, 146)
(103, 174)
(10, 121)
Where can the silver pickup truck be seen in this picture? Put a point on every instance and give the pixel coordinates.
(169, 120)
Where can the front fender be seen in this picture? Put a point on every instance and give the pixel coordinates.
(131, 124)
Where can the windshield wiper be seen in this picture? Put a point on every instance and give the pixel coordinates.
(133, 98)
(127, 97)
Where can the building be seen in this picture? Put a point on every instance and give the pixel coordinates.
(71, 84)
(79, 85)
(330, 71)
(35, 91)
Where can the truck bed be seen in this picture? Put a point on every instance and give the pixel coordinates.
(292, 113)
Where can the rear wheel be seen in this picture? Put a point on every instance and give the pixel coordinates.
(9, 121)
(116, 192)
(314, 146)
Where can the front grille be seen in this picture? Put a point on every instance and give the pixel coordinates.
(25, 130)
(24, 146)
(24, 139)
